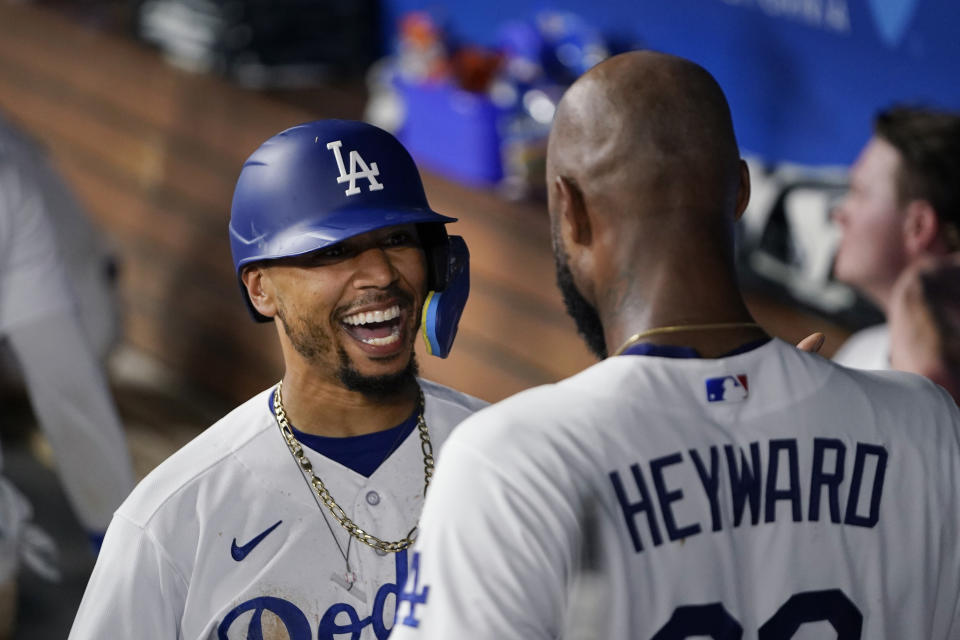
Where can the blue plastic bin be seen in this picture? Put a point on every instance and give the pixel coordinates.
(452, 132)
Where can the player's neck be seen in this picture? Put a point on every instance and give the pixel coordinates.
(326, 408)
(705, 302)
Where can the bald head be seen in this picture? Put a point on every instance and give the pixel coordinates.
(644, 183)
(646, 130)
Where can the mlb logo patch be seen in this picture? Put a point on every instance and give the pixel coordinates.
(727, 388)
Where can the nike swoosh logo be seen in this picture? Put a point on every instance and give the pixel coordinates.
(240, 552)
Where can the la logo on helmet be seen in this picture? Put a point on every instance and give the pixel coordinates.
(369, 172)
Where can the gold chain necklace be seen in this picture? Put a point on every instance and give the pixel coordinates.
(321, 490)
(684, 327)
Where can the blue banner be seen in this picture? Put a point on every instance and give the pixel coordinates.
(804, 77)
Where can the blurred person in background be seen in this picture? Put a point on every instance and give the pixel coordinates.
(903, 207)
(925, 321)
(55, 349)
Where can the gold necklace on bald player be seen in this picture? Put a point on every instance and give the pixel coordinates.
(321, 491)
(684, 327)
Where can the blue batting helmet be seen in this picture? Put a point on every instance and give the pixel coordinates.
(319, 183)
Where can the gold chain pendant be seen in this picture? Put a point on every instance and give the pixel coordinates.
(321, 490)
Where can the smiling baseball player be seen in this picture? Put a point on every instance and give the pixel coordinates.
(706, 481)
(291, 516)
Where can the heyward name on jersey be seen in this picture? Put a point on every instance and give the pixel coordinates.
(756, 492)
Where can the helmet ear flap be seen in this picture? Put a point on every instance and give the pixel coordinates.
(448, 278)
(436, 248)
(442, 309)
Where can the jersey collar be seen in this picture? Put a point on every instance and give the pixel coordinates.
(673, 351)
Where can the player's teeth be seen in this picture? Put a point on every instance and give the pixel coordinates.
(373, 316)
(379, 342)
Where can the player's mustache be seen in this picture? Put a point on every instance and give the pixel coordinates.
(392, 293)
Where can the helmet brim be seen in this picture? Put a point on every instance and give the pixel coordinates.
(327, 230)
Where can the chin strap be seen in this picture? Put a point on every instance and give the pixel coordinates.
(442, 309)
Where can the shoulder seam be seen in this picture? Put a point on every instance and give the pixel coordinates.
(156, 543)
(200, 472)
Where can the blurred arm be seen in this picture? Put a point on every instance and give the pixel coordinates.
(72, 402)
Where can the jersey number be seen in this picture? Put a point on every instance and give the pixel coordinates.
(714, 621)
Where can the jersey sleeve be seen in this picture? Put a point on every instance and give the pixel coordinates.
(950, 470)
(491, 558)
(134, 590)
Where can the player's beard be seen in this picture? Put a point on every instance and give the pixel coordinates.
(312, 342)
(583, 313)
(376, 386)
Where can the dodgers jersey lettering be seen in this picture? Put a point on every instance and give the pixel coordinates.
(268, 615)
(788, 498)
(224, 539)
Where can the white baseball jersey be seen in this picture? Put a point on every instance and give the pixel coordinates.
(771, 495)
(866, 349)
(225, 539)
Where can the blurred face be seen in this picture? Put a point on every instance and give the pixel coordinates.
(872, 252)
(354, 308)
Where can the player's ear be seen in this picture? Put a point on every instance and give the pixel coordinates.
(571, 210)
(920, 227)
(256, 280)
(743, 190)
